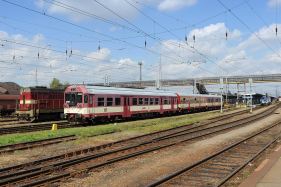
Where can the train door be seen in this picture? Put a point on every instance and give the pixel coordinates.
(126, 107)
(172, 103)
(161, 105)
(91, 104)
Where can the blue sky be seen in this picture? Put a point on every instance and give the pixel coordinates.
(121, 28)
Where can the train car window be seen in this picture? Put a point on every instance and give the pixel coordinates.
(109, 101)
(79, 97)
(151, 101)
(135, 101)
(145, 101)
(140, 101)
(117, 101)
(91, 99)
(169, 100)
(67, 97)
(100, 101)
(86, 99)
(156, 101)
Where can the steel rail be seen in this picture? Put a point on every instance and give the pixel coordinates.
(173, 175)
(249, 160)
(109, 145)
(109, 161)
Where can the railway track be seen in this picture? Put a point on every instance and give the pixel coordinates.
(58, 168)
(35, 144)
(216, 169)
(40, 127)
(41, 143)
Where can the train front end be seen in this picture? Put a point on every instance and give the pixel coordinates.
(76, 104)
(25, 108)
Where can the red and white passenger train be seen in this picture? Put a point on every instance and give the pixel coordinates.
(94, 103)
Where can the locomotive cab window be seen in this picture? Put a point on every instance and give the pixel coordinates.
(117, 101)
(109, 101)
(86, 99)
(135, 101)
(100, 101)
(67, 97)
(79, 97)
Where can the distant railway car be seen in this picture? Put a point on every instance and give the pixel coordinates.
(8, 104)
(40, 103)
(93, 103)
(279, 99)
(9, 95)
(197, 102)
(265, 100)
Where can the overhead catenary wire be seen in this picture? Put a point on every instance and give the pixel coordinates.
(85, 28)
(249, 28)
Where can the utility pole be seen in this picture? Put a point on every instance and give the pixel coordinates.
(226, 93)
(251, 85)
(106, 80)
(140, 64)
(221, 88)
(160, 74)
(237, 101)
(245, 94)
(36, 78)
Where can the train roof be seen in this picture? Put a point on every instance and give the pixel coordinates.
(198, 95)
(127, 91)
(41, 89)
(130, 91)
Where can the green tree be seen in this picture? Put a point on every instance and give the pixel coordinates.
(55, 83)
(66, 84)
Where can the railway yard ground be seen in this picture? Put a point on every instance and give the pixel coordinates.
(181, 142)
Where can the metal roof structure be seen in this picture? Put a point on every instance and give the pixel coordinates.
(128, 91)
(202, 81)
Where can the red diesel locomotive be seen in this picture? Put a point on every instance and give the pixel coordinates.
(40, 103)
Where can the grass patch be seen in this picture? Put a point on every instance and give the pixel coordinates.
(140, 126)
(246, 176)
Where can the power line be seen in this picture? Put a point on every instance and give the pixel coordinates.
(248, 28)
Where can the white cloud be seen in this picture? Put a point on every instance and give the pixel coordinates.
(120, 7)
(172, 5)
(114, 29)
(272, 3)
